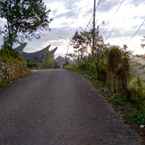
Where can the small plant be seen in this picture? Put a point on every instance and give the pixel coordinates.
(13, 66)
(118, 70)
(118, 100)
(31, 64)
(137, 93)
(8, 55)
(137, 117)
(3, 83)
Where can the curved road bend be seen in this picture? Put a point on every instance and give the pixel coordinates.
(57, 107)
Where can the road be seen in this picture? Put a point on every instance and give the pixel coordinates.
(58, 107)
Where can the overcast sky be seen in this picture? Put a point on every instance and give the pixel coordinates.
(121, 17)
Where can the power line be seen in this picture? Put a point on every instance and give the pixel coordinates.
(117, 10)
(90, 20)
(119, 6)
(87, 26)
(138, 29)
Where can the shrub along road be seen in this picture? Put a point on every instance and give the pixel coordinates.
(57, 107)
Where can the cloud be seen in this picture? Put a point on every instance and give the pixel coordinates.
(137, 2)
(53, 37)
(107, 5)
(122, 19)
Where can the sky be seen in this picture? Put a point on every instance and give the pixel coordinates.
(118, 20)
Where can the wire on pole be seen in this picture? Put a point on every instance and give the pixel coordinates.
(138, 29)
(117, 10)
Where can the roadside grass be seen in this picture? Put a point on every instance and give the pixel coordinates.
(72, 67)
(13, 66)
(118, 100)
(4, 83)
(130, 108)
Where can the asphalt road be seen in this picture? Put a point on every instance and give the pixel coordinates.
(57, 107)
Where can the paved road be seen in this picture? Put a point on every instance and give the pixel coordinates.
(57, 107)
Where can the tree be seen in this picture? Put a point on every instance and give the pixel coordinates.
(23, 17)
(118, 70)
(79, 44)
(49, 60)
(83, 40)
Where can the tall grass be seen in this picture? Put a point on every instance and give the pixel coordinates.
(112, 69)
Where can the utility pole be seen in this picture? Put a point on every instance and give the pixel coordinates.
(94, 29)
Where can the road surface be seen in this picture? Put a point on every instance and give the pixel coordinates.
(58, 107)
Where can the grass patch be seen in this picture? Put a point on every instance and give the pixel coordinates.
(4, 83)
(72, 67)
(137, 117)
(118, 100)
(131, 107)
(13, 66)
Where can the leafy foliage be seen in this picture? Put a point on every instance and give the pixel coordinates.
(31, 64)
(82, 40)
(3, 83)
(79, 44)
(137, 93)
(88, 66)
(8, 55)
(48, 61)
(22, 16)
(118, 70)
(137, 117)
(13, 66)
(118, 100)
(111, 68)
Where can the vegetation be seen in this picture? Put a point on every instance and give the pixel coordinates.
(41, 60)
(118, 70)
(31, 64)
(110, 68)
(13, 66)
(23, 17)
(9, 55)
(3, 83)
(48, 61)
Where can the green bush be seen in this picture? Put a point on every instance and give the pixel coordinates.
(31, 64)
(113, 67)
(118, 70)
(14, 66)
(118, 100)
(137, 93)
(4, 83)
(8, 55)
(71, 67)
(101, 69)
(88, 67)
(137, 117)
